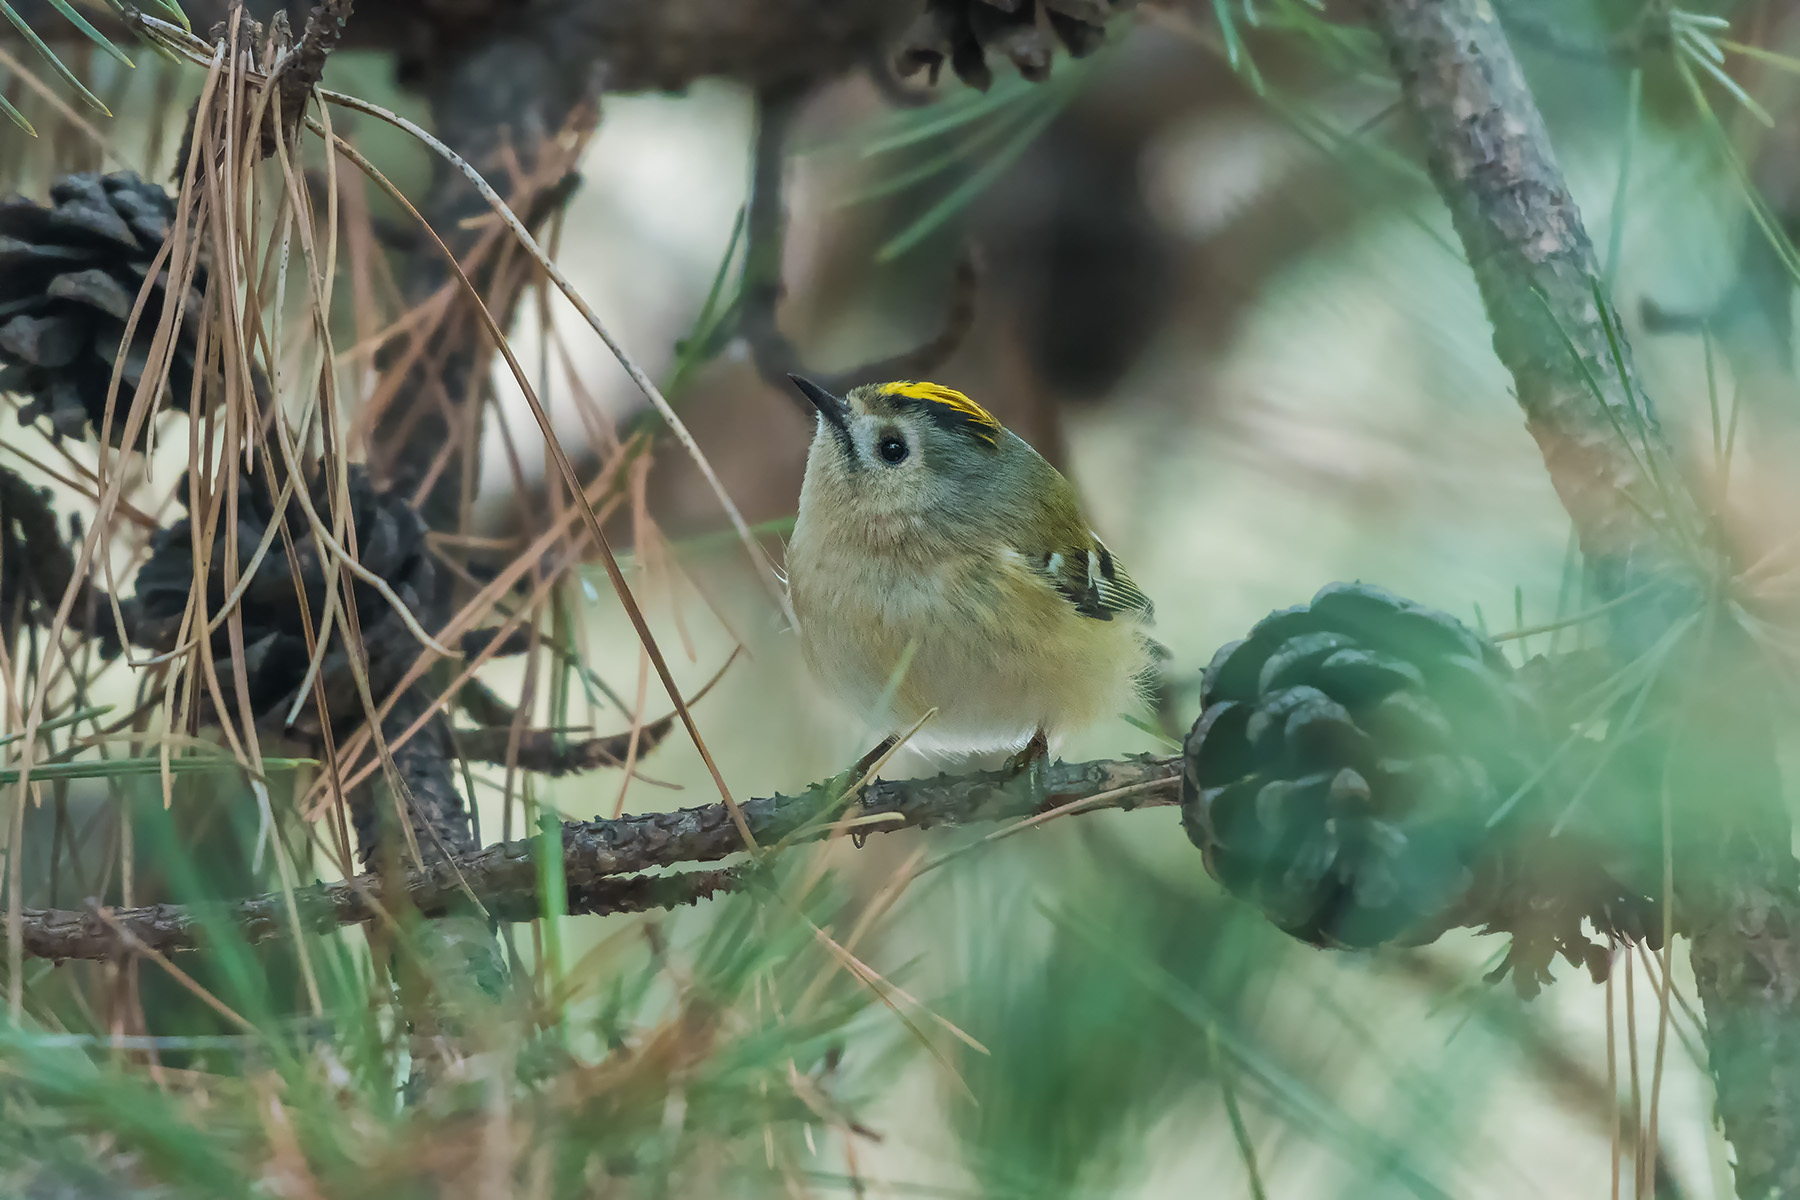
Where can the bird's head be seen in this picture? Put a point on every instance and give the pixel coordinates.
(905, 450)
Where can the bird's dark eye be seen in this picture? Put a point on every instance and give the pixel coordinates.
(892, 449)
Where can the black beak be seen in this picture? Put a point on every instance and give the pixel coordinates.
(835, 411)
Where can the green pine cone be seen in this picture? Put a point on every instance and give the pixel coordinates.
(1354, 759)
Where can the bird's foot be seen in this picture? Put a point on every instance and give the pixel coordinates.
(1029, 762)
(848, 787)
(867, 762)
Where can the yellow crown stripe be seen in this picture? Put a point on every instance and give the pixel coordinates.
(950, 398)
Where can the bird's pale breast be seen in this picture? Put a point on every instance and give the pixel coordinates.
(994, 648)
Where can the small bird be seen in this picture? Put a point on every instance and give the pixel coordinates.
(939, 562)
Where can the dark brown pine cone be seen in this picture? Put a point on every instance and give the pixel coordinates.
(69, 276)
(1027, 32)
(37, 566)
(390, 540)
(28, 537)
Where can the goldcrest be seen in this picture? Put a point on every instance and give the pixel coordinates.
(939, 562)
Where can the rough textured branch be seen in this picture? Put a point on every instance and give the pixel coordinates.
(117, 933)
(423, 771)
(1734, 873)
(504, 103)
(302, 68)
(1492, 160)
(637, 44)
(598, 854)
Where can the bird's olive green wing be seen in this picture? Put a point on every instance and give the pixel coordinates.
(1089, 577)
(1060, 547)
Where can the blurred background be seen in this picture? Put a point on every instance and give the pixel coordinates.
(1216, 288)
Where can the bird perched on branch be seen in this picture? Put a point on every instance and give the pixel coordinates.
(939, 562)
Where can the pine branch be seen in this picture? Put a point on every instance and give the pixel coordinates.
(552, 752)
(505, 102)
(636, 45)
(603, 859)
(300, 70)
(1559, 336)
(765, 234)
(1492, 160)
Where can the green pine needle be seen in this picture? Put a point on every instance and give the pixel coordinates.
(99, 39)
(965, 193)
(38, 44)
(17, 117)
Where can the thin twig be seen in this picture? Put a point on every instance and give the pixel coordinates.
(764, 241)
(557, 454)
(553, 752)
(651, 392)
(301, 68)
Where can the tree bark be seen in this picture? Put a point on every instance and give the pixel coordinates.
(635, 45)
(1555, 331)
(503, 102)
(600, 856)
